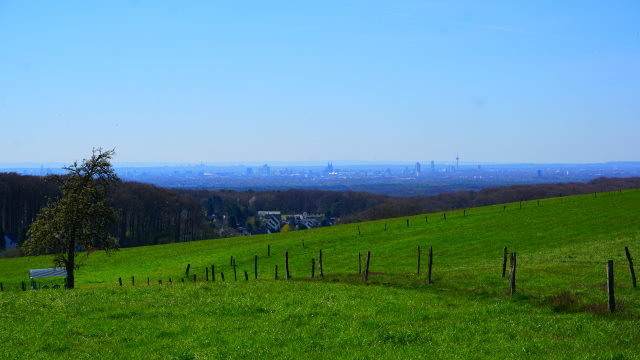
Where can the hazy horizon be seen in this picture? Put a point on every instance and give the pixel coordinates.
(51, 164)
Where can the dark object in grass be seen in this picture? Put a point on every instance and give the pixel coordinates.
(630, 260)
(504, 261)
(610, 286)
(430, 265)
(512, 274)
(286, 266)
(418, 270)
(562, 302)
(366, 266)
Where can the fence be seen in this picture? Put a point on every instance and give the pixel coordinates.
(508, 265)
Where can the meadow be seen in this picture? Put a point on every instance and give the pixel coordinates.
(559, 309)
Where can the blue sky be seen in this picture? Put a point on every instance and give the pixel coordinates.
(212, 81)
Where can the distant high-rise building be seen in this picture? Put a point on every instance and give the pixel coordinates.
(433, 166)
(417, 169)
(249, 171)
(457, 161)
(265, 170)
(329, 168)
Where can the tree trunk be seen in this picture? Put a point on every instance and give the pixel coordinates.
(70, 264)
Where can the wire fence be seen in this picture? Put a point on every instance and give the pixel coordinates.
(336, 263)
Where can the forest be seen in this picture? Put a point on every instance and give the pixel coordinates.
(149, 215)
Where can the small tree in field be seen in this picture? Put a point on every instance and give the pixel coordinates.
(80, 218)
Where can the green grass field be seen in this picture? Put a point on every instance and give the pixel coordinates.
(559, 310)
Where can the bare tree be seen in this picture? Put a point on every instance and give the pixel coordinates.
(80, 218)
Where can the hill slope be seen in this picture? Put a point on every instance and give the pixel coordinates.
(559, 310)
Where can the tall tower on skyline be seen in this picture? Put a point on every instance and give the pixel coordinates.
(457, 160)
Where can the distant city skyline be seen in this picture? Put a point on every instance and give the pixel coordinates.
(255, 164)
(165, 81)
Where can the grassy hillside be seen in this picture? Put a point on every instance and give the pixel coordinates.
(559, 310)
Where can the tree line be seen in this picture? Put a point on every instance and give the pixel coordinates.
(148, 215)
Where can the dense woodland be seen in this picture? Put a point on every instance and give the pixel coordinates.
(148, 214)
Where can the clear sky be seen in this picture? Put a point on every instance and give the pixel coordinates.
(189, 81)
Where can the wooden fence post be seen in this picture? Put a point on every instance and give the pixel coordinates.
(426, 220)
(170, 282)
(385, 226)
(206, 274)
(512, 274)
(24, 288)
(286, 265)
(504, 208)
(255, 266)
(359, 263)
(213, 273)
(231, 261)
(160, 282)
(235, 273)
(1, 287)
(610, 286)
(633, 272)
(520, 205)
(194, 277)
(246, 276)
(313, 268)
(182, 280)
(464, 212)
(538, 203)
(149, 281)
(276, 271)
(120, 281)
(222, 276)
(418, 260)
(407, 222)
(444, 216)
(504, 261)
(133, 281)
(320, 263)
(366, 266)
(430, 265)
(187, 271)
